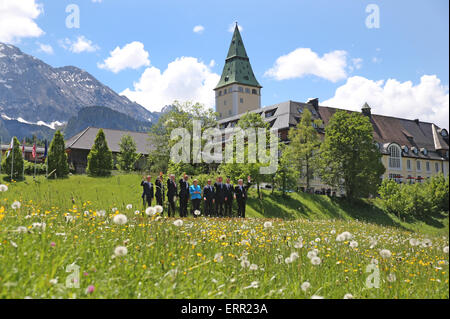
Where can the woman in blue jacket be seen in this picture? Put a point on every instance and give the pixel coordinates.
(196, 196)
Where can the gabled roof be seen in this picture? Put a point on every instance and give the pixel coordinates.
(85, 140)
(237, 67)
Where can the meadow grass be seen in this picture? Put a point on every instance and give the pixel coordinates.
(59, 223)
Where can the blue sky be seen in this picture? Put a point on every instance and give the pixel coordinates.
(298, 49)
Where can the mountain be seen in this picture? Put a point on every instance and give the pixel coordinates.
(21, 130)
(99, 116)
(34, 91)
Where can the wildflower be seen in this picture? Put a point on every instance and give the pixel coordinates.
(69, 218)
(86, 213)
(348, 296)
(311, 254)
(120, 219)
(15, 205)
(316, 261)
(158, 218)
(298, 245)
(137, 212)
(391, 277)
(317, 240)
(39, 225)
(294, 256)
(197, 212)
(223, 237)
(344, 236)
(150, 211)
(218, 257)
(305, 286)
(53, 244)
(159, 209)
(22, 229)
(332, 232)
(114, 209)
(288, 260)
(129, 206)
(178, 223)
(53, 281)
(254, 284)
(353, 244)
(268, 224)
(316, 297)
(385, 253)
(3, 188)
(414, 242)
(445, 249)
(90, 289)
(120, 251)
(245, 263)
(253, 267)
(13, 244)
(101, 213)
(426, 243)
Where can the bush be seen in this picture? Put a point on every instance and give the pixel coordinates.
(416, 200)
(29, 168)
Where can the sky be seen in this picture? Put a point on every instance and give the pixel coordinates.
(392, 54)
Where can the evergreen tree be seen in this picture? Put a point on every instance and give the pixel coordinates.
(17, 173)
(100, 160)
(128, 156)
(302, 152)
(349, 157)
(57, 157)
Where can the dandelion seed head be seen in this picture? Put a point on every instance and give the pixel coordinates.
(120, 251)
(120, 219)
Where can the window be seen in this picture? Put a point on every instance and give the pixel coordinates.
(396, 177)
(225, 102)
(247, 90)
(444, 132)
(229, 112)
(418, 166)
(395, 160)
(436, 166)
(424, 151)
(428, 166)
(220, 93)
(405, 148)
(408, 164)
(254, 91)
(241, 89)
(242, 100)
(419, 179)
(270, 113)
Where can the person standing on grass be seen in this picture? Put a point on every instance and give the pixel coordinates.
(240, 193)
(184, 195)
(208, 199)
(229, 193)
(219, 196)
(196, 196)
(148, 193)
(158, 191)
(171, 195)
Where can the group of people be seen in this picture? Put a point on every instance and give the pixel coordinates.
(217, 198)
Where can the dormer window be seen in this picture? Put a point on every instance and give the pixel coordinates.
(415, 150)
(405, 149)
(444, 132)
(424, 151)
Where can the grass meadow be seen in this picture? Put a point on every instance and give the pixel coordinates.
(90, 238)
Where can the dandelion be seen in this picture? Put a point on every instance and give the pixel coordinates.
(426, 243)
(22, 229)
(353, 244)
(137, 212)
(298, 245)
(445, 249)
(245, 263)
(344, 236)
(39, 225)
(129, 206)
(159, 209)
(316, 261)
(332, 232)
(311, 254)
(317, 240)
(69, 218)
(178, 223)
(288, 260)
(294, 256)
(348, 296)
(150, 211)
(254, 284)
(305, 286)
(414, 242)
(53, 281)
(158, 218)
(101, 213)
(120, 219)
(385, 253)
(253, 267)
(223, 237)
(197, 212)
(3, 188)
(86, 213)
(13, 244)
(316, 297)
(114, 209)
(268, 224)
(120, 251)
(15, 205)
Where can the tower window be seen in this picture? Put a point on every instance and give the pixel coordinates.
(247, 90)
(241, 89)
(254, 91)
(225, 102)
(242, 100)
(220, 93)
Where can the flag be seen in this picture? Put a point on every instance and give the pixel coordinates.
(23, 149)
(46, 149)
(34, 151)
(10, 147)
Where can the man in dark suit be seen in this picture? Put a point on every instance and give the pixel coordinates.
(240, 192)
(171, 195)
(229, 193)
(208, 199)
(159, 191)
(219, 196)
(184, 195)
(148, 191)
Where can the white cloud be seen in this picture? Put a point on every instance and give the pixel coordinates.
(80, 45)
(303, 61)
(46, 48)
(185, 79)
(17, 20)
(97, 1)
(428, 100)
(132, 56)
(198, 29)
